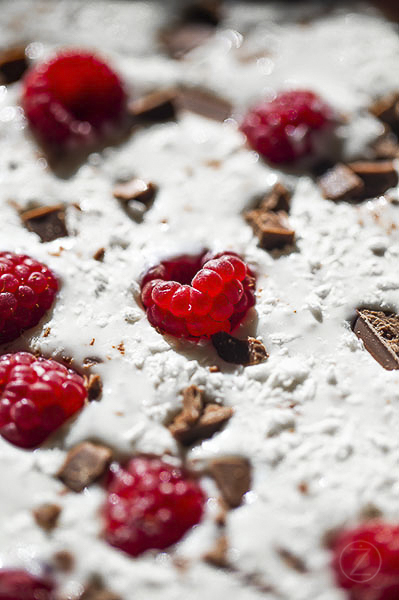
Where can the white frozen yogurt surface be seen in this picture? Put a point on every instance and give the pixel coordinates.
(320, 411)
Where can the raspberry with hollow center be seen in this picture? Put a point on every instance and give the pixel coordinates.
(17, 584)
(282, 130)
(366, 561)
(37, 396)
(150, 505)
(198, 296)
(27, 291)
(72, 99)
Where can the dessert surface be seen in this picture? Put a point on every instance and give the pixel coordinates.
(318, 420)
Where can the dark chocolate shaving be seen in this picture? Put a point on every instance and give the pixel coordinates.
(377, 176)
(99, 254)
(387, 110)
(84, 464)
(279, 199)
(341, 183)
(292, 560)
(13, 64)
(64, 560)
(272, 228)
(204, 103)
(46, 516)
(181, 38)
(386, 147)
(240, 352)
(379, 333)
(94, 386)
(48, 222)
(233, 477)
(96, 590)
(155, 107)
(203, 11)
(217, 556)
(135, 189)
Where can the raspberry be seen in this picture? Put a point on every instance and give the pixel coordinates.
(366, 561)
(72, 99)
(37, 396)
(150, 504)
(195, 297)
(282, 130)
(27, 290)
(21, 585)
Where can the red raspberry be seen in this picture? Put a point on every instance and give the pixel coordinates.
(27, 291)
(366, 561)
(282, 130)
(150, 504)
(198, 296)
(21, 585)
(37, 396)
(72, 99)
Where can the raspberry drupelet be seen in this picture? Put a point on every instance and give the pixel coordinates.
(17, 584)
(282, 130)
(150, 505)
(197, 296)
(27, 291)
(366, 561)
(37, 396)
(72, 99)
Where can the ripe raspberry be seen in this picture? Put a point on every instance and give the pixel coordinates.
(37, 396)
(366, 561)
(72, 99)
(282, 130)
(21, 585)
(198, 296)
(150, 504)
(27, 291)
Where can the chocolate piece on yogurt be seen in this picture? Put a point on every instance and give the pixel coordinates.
(136, 189)
(155, 107)
(48, 222)
(203, 11)
(85, 463)
(377, 176)
(181, 38)
(95, 589)
(46, 516)
(387, 110)
(379, 333)
(341, 183)
(233, 477)
(278, 199)
(217, 556)
(204, 103)
(240, 352)
(94, 386)
(13, 64)
(272, 228)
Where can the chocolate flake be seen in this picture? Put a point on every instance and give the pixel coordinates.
(292, 560)
(155, 107)
(13, 64)
(272, 228)
(217, 556)
(94, 386)
(377, 176)
(198, 420)
(240, 352)
(46, 516)
(386, 147)
(387, 110)
(279, 199)
(204, 103)
(64, 560)
(181, 38)
(85, 463)
(48, 222)
(341, 183)
(135, 189)
(96, 590)
(233, 477)
(379, 333)
(99, 254)
(203, 11)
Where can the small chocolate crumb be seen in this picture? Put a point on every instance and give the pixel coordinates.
(94, 386)
(341, 183)
(136, 189)
(46, 516)
(203, 11)
(48, 222)
(272, 228)
(387, 110)
(233, 477)
(155, 107)
(303, 487)
(214, 369)
(217, 556)
(13, 64)
(99, 254)
(377, 176)
(292, 560)
(204, 103)
(370, 511)
(181, 38)
(240, 352)
(85, 463)
(95, 590)
(90, 361)
(64, 560)
(279, 199)
(379, 333)
(46, 332)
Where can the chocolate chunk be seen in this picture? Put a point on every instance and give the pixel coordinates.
(203, 11)
(377, 176)
(217, 556)
(203, 103)
(96, 590)
(181, 38)
(233, 477)
(135, 189)
(85, 463)
(272, 228)
(292, 560)
(94, 386)
(64, 560)
(341, 183)
(279, 199)
(13, 64)
(387, 110)
(99, 254)
(239, 352)
(46, 516)
(386, 147)
(155, 107)
(379, 333)
(48, 222)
